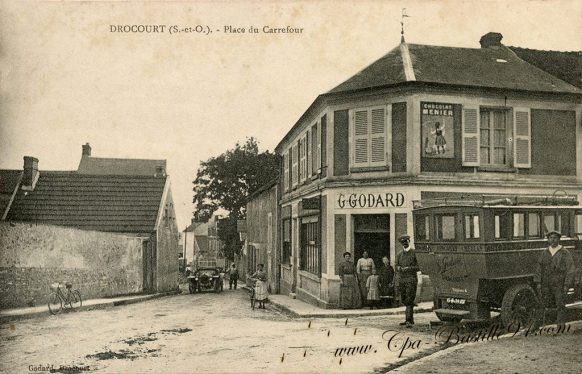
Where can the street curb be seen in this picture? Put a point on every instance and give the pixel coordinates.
(365, 313)
(103, 305)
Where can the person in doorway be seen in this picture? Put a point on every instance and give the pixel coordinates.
(554, 275)
(364, 269)
(260, 278)
(407, 267)
(232, 277)
(349, 287)
(386, 275)
(373, 291)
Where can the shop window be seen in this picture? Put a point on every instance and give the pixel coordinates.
(422, 229)
(369, 137)
(471, 228)
(533, 226)
(310, 253)
(446, 227)
(501, 226)
(286, 255)
(519, 225)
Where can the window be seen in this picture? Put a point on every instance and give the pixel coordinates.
(578, 224)
(446, 227)
(286, 171)
(286, 255)
(369, 137)
(472, 226)
(303, 157)
(422, 228)
(294, 165)
(309, 248)
(310, 254)
(315, 149)
(493, 136)
(519, 225)
(496, 137)
(533, 225)
(502, 225)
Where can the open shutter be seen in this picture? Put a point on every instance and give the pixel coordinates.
(522, 136)
(361, 136)
(308, 141)
(286, 171)
(470, 136)
(378, 137)
(295, 167)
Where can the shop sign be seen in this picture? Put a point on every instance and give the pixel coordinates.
(370, 200)
(310, 204)
(437, 130)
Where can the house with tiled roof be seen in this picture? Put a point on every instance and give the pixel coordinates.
(133, 212)
(421, 122)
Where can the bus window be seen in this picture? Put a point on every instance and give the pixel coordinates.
(501, 225)
(472, 226)
(578, 224)
(533, 227)
(518, 225)
(549, 222)
(445, 225)
(422, 229)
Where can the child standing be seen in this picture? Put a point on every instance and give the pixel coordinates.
(373, 291)
(260, 277)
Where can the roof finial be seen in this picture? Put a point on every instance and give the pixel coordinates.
(402, 25)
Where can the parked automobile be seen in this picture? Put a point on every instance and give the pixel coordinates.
(206, 279)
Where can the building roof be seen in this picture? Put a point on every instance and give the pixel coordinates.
(9, 182)
(120, 166)
(492, 67)
(565, 65)
(124, 204)
(489, 67)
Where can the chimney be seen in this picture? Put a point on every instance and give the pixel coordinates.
(31, 173)
(491, 39)
(160, 171)
(86, 150)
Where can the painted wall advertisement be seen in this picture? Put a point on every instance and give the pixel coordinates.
(438, 139)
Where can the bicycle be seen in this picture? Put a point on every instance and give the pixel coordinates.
(59, 300)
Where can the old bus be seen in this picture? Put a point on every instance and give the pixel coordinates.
(481, 254)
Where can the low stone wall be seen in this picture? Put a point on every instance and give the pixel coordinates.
(34, 256)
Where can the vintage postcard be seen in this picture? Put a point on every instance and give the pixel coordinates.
(290, 186)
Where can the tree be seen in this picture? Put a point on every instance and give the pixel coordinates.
(225, 181)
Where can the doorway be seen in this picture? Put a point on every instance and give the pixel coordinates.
(372, 233)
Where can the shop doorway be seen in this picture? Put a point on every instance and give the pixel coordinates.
(372, 233)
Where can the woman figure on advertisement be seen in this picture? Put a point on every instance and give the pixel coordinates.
(440, 144)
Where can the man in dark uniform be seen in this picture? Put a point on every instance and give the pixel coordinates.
(232, 277)
(407, 267)
(554, 275)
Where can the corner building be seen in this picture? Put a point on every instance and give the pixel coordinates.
(421, 122)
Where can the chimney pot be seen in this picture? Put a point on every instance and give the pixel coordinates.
(86, 150)
(30, 175)
(491, 39)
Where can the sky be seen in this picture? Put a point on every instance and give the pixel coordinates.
(67, 79)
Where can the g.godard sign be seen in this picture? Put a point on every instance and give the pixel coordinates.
(370, 200)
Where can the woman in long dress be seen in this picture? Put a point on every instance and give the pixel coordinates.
(350, 297)
(364, 270)
(261, 293)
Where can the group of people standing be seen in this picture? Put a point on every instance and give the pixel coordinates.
(364, 285)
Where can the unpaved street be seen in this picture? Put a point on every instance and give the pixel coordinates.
(211, 333)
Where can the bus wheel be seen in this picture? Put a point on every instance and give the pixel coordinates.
(519, 305)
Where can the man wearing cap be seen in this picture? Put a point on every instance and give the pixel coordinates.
(407, 266)
(554, 275)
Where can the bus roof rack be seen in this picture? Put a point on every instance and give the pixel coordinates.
(499, 200)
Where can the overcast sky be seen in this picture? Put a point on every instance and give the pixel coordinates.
(66, 79)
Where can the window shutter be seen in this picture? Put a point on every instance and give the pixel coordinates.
(286, 171)
(470, 136)
(295, 168)
(378, 137)
(315, 146)
(309, 153)
(361, 132)
(522, 136)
